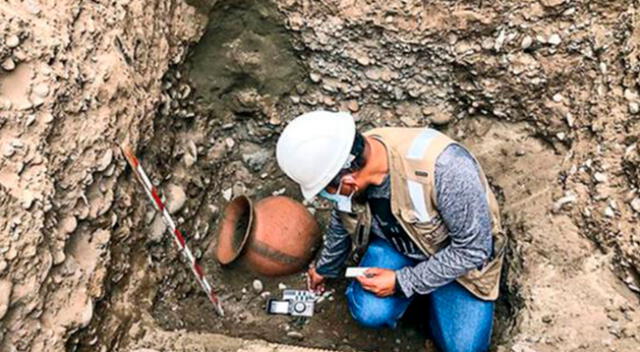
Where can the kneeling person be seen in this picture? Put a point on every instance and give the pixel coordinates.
(420, 208)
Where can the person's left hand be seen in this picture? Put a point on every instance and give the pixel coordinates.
(382, 282)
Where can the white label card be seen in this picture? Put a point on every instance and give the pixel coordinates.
(353, 272)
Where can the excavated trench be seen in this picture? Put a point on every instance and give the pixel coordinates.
(213, 138)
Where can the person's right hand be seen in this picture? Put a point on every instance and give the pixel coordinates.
(315, 281)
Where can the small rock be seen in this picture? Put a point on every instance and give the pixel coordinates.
(500, 40)
(189, 159)
(557, 97)
(315, 77)
(353, 106)
(30, 120)
(8, 150)
(521, 347)
(554, 39)
(630, 95)
(608, 212)
(191, 154)
(105, 160)
(157, 230)
(227, 193)
(214, 210)
(58, 256)
(634, 108)
(176, 198)
(68, 224)
(409, 120)
(28, 201)
(256, 158)
(217, 151)
(47, 118)
(258, 286)
(18, 144)
(603, 68)
(229, 142)
(33, 7)
(552, 3)
(441, 118)
(265, 295)
(600, 177)
(363, 60)
(282, 286)
(295, 335)
(279, 192)
(372, 74)
(635, 204)
(5, 295)
(12, 41)
(526, 42)
(41, 90)
(185, 91)
(8, 65)
(570, 120)
(566, 200)
(238, 189)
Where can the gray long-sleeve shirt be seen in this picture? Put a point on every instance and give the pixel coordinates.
(464, 210)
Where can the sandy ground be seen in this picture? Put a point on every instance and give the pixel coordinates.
(545, 93)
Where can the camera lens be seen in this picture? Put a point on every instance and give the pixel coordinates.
(299, 307)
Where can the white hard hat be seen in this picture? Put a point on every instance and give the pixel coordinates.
(314, 147)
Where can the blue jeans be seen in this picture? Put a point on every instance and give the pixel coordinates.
(458, 321)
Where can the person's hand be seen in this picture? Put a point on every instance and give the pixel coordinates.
(382, 282)
(315, 281)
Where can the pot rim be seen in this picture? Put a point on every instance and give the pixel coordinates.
(225, 252)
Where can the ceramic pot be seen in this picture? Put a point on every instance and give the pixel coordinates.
(276, 236)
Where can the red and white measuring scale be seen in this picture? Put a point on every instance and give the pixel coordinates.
(154, 196)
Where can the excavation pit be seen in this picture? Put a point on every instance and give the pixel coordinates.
(544, 92)
(236, 85)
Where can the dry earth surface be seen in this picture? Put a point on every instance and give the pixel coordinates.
(544, 92)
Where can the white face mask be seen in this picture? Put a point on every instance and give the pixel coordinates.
(342, 203)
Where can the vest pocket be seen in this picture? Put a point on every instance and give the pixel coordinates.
(485, 281)
(432, 234)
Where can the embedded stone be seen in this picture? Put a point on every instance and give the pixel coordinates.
(8, 65)
(176, 198)
(12, 41)
(526, 42)
(5, 295)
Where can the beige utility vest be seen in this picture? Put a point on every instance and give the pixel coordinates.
(412, 154)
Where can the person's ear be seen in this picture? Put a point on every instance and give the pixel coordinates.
(350, 180)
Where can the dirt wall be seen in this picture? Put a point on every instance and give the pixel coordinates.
(77, 78)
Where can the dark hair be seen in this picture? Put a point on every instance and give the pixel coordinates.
(358, 162)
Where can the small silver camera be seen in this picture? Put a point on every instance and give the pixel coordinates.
(297, 303)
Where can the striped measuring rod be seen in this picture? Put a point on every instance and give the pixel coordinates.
(154, 196)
